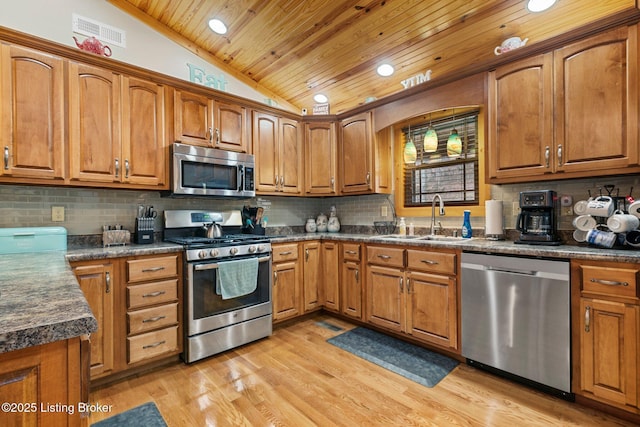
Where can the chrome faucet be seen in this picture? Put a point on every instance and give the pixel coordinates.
(433, 211)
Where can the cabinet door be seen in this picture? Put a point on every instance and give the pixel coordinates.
(286, 290)
(431, 309)
(320, 158)
(385, 298)
(94, 124)
(266, 151)
(330, 284)
(193, 119)
(143, 132)
(31, 113)
(230, 127)
(96, 282)
(596, 108)
(609, 352)
(351, 289)
(312, 278)
(290, 157)
(356, 154)
(521, 118)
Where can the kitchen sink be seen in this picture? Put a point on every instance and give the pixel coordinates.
(435, 238)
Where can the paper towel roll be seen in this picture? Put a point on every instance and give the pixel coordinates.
(493, 219)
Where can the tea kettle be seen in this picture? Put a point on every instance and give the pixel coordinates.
(213, 230)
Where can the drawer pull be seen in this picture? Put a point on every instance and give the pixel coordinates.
(154, 319)
(155, 344)
(154, 294)
(152, 269)
(382, 256)
(285, 253)
(430, 262)
(609, 282)
(352, 252)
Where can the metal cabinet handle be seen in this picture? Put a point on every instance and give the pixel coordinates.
(155, 344)
(383, 256)
(368, 177)
(217, 136)
(559, 154)
(153, 319)
(408, 285)
(275, 278)
(306, 254)
(401, 285)
(153, 294)
(277, 181)
(107, 281)
(609, 282)
(352, 252)
(333, 183)
(587, 319)
(211, 135)
(126, 168)
(152, 269)
(357, 273)
(547, 154)
(282, 182)
(285, 253)
(6, 158)
(430, 262)
(117, 167)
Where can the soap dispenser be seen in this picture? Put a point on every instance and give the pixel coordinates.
(403, 227)
(466, 225)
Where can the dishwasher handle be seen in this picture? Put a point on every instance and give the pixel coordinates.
(511, 271)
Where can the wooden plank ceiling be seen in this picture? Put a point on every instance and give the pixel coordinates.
(293, 49)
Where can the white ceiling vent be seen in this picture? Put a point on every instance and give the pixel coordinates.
(103, 32)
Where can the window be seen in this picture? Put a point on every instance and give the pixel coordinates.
(453, 176)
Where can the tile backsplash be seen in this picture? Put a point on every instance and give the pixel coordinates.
(86, 209)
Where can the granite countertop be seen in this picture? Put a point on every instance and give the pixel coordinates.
(480, 245)
(40, 301)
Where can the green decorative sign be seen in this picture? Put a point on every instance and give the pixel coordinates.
(199, 75)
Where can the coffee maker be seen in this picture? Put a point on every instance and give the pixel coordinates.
(538, 218)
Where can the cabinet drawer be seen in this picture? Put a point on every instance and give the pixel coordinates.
(616, 281)
(139, 270)
(284, 252)
(385, 256)
(152, 318)
(351, 251)
(152, 344)
(431, 261)
(152, 293)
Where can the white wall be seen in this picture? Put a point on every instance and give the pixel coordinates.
(145, 48)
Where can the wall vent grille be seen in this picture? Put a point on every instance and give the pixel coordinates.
(103, 32)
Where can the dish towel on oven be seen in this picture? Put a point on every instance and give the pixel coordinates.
(237, 278)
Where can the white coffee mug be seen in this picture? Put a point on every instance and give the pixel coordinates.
(605, 239)
(580, 236)
(584, 222)
(634, 209)
(580, 208)
(601, 206)
(620, 223)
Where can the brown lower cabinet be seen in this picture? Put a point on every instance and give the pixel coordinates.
(138, 304)
(606, 344)
(287, 282)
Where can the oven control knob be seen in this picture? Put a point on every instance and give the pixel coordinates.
(252, 249)
(233, 251)
(214, 253)
(202, 254)
(260, 248)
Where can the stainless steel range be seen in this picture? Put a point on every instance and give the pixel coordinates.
(227, 296)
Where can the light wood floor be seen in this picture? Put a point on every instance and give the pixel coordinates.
(295, 378)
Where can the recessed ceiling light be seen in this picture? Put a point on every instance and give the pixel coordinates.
(217, 26)
(385, 70)
(320, 98)
(539, 5)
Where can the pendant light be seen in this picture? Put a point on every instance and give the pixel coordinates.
(430, 140)
(410, 152)
(454, 143)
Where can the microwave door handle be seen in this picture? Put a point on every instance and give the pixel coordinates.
(240, 178)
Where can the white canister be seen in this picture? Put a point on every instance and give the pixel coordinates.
(321, 223)
(310, 226)
(605, 239)
(620, 223)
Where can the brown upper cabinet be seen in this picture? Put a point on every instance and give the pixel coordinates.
(201, 120)
(31, 114)
(321, 168)
(568, 113)
(116, 128)
(363, 159)
(277, 146)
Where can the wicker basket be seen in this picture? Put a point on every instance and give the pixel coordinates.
(384, 227)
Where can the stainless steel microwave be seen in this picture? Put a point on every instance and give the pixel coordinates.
(202, 171)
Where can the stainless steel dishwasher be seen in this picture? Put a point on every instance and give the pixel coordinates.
(516, 319)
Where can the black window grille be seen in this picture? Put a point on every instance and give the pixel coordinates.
(454, 177)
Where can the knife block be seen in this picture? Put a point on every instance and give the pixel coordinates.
(144, 231)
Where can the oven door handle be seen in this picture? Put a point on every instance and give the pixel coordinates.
(213, 266)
